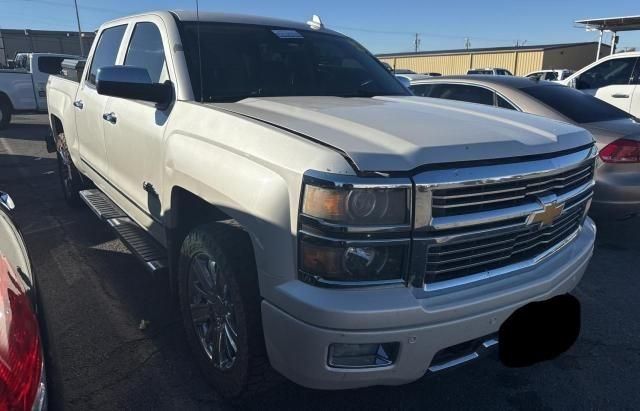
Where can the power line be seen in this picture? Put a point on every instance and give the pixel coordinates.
(422, 33)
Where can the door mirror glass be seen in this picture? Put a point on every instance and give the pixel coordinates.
(132, 83)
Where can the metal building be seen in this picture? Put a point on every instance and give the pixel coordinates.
(14, 41)
(518, 60)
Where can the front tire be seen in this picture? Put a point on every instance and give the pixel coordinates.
(220, 307)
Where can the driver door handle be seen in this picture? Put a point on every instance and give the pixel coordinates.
(620, 95)
(110, 117)
(78, 104)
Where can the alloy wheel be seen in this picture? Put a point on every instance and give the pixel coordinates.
(212, 311)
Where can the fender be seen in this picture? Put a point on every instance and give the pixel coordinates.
(238, 165)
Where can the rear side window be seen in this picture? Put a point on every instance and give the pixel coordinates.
(462, 92)
(575, 105)
(106, 51)
(50, 65)
(422, 90)
(146, 51)
(502, 103)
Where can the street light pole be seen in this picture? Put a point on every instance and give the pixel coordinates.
(79, 29)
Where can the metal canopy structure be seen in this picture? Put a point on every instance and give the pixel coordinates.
(611, 24)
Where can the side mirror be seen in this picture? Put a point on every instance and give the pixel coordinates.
(573, 82)
(6, 201)
(132, 83)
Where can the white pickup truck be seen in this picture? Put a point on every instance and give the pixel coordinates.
(22, 89)
(312, 216)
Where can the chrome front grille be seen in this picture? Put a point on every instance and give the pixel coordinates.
(483, 197)
(477, 223)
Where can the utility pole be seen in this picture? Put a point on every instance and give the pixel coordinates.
(467, 43)
(416, 42)
(79, 29)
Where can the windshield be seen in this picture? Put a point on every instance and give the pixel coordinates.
(480, 72)
(575, 105)
(240, 61)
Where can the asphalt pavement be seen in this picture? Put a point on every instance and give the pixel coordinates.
(95, 295)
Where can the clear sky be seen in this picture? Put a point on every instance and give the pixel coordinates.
(382, 26)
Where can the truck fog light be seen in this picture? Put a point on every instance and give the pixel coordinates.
(362, 355)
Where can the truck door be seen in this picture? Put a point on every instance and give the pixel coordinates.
(90, 105)
(134, 136)
(610, 81)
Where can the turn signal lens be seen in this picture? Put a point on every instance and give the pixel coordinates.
(357, 206)
(621, 151)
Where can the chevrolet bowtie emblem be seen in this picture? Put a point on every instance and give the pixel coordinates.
(547, 215)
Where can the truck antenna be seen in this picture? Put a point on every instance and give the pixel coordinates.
(199, 51)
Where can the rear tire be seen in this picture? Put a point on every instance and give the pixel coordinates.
(5, 113)
(70, 179)
(220, 307)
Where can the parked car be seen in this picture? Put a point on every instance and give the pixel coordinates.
(23, 88)
(613, 79)
(412, 77)
(490, 72)
(617, 133)
(432, 74)
(403, 71)
(22, 376)
(550, 75)
(310, 213)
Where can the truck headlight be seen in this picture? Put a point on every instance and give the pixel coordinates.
(342, 261)
(354, 230)
(357, 206)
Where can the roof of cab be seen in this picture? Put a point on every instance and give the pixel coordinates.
(210, 17)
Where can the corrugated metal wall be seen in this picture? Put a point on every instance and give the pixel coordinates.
(518, 62)
(573, 58)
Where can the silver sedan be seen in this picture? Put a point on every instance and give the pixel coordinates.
(617, 133)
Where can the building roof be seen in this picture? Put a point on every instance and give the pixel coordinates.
(488, 49)
(627, 23)
(24, 32)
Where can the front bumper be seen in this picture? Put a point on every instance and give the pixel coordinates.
(297, 340)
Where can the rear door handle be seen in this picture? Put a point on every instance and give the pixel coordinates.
(79, 104)
(110, 117)
(620, 95)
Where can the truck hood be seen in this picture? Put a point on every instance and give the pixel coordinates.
(392, 134)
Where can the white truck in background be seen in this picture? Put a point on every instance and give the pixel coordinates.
(23, 89)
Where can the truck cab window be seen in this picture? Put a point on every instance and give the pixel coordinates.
(242, 60)
(106, 50)
(50, 65)
(607, 73)
(146, 51)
